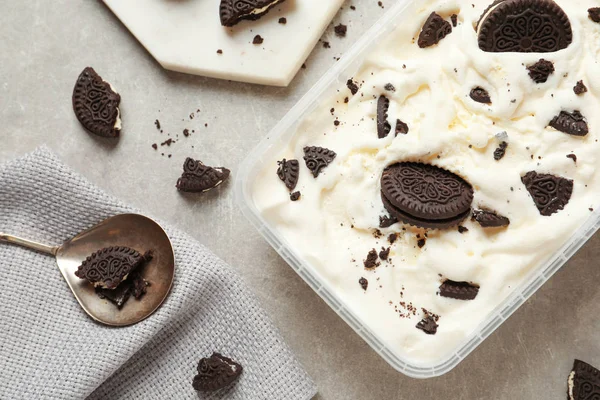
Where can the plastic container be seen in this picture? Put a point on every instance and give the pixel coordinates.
(285, 129)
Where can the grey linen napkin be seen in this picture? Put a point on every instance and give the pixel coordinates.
(50, 349)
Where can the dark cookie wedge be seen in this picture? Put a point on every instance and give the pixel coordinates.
(317, 158)
(500, 151)
(524, 26)
(434, 30)
(550, 193)
(401, 127)
(571, 123)
(489, 219)
(96, 104)
(594, 14)
(428, 325)
(583, 382)
(425, 191)
(108, 267)
(289, 172)
(480, 95)
(198, 177)
(541, 70)
(216, 372)
(383, 126)
(459, 290)
(234, 11)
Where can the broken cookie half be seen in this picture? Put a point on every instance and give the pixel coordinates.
(197, 177)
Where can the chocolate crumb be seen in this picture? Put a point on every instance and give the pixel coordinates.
(219, 51)
(541, 70)
(352, 86)
(462, 229)
(154, 146)
(454, 19)
(303, 66)
(283, 20)
(336, 122)
(364, 284)
(401, 127)
(186, 132)
(346, 100)
(594, 14)
(295, 196)
(387, 221)
(580, 88)
(340, 30)
(392, 238)
(500, 151)
(167, 142)
(372, 260)
(421, 243)
(157, 123)
(257, 39)
(389, 87)
(384, 253)
(572, 157)
(353, 8)
(380, 4)
(326, 45)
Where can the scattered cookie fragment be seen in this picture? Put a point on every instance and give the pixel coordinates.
(454, 19)
(389, 87)
(352, 86)
(135, 285)
(401, 127)
(428, 325)
(372, 260)
(459, 290)
(500, 152)
(317, 158)
(219, 51)
(583, 382)
(550, 193)
(462, 229)
(541, 70)
(197, 177)
(572, 157)
(434, 30)
(96, 104)
(480, 95)
(295, 196)
(364, 283)
(385, 221)
(580, 88)
(340, 30)
(289, 172)
(384, 253)
(594, 14)
(571, 123)
(216, 372)
(392, 238)
(383, 126)
(258, 40)
(490, 219)
(233, 11)
(282, 20)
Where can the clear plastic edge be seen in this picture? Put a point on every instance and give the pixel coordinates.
(286, 127)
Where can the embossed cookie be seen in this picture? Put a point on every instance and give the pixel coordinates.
(96, 104)
(425, 195)
(570, 123)
(108, 267)
(583, 382)
(198, 177)
(459, 290)
(489, 219)
(428, 325)
(550, 193)
(234, 11)
(435, 29)
(383, 126)
(289, 172)
(317, 158)
(216, 372)
(524, 26)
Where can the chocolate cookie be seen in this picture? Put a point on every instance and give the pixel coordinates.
(198, 177)
(580, 88)
(364, 283)
(383, 126)
(386, 221)
(352, 86)
(594, 14)
(459, 290)
(489, 219)
(480, 95)
(108, 267)
(571, 123)
(289, 172)
(234, 11)
(434, 30)
(550, 193)
(422, 222)
(583, 382)
(524, 26)
(96, 104)
(216, 372)
(317, 158)
(421, 194)
(500, 151)
(135, 285)
(428, 325)
(541, 70)
(401, 127)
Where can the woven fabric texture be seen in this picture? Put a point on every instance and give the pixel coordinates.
(51, 349)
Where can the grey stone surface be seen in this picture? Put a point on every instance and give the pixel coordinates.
(45, 44)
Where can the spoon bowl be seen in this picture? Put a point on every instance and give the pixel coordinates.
(131, 230)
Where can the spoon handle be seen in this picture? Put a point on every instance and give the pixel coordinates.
(28, 244)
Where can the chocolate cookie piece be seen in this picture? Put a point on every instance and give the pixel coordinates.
(372, 260)
(434, 30)
(389, 87)
(401, 127)
(352, 86)
(583, 382)
(594, 14)
(500, 151)
(383, 126)
(135, 285)
(480, 95)
(384, 253)
(340, 30)
(580, 88)
(295, 196)
(541, 70)
(317, 158)
(108, 267)
(550, 193)
(425, 191)
(524, 26)
(289, 172)
(216, 372)
(234, 11)
(198, 177)
(96, 104)
(489, 219)
(459, 290)
(385, 221)
(364, 284)
(570, 123)
(428, 325)
(454, 19)
(422, 222)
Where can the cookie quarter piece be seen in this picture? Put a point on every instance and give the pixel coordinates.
(96, 104)
(216, 372)
(197, 177)
(583, 382)
(108, 267)
(234, 11)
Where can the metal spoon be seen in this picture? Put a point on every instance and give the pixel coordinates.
(131, 230)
